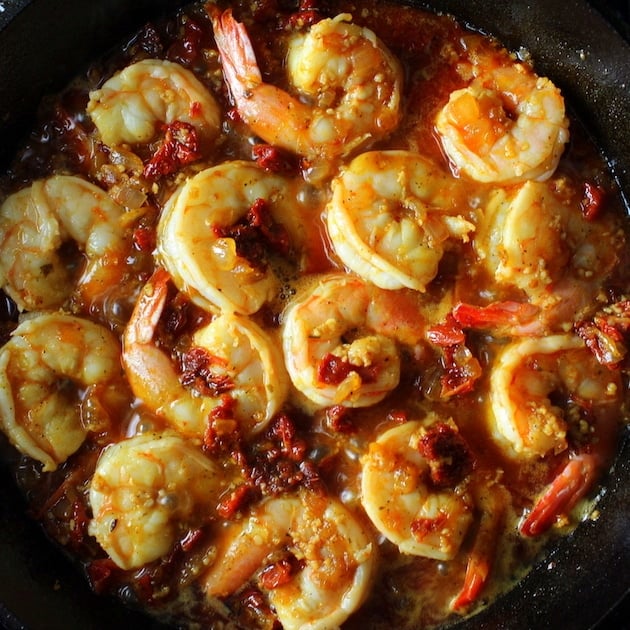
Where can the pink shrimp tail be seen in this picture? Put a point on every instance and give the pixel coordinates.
(563, 493)
(148, 309)
(477, 571)
(238, 59)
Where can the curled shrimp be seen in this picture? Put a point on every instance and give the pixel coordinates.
(535, 238)
(352, 83)
(507, 126)
(240, 361)
(530, 376)
(308, 553)
(339, 341)
(145, 491)
(54, 367)
(417, 502)
(36, 226)
(129, 105)
(390, 216)
(197, 245)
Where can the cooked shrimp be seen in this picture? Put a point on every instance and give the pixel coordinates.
(536, 238)
(351, 82)
(390, 216)
(145, 491)
(241, 361)
(129, 105)
(340, 342)
(195, 242)
(508, 125)
(400, 494)
(36, 224)
(562, 494)
(529, 375)
(308, 553)
(54, 367)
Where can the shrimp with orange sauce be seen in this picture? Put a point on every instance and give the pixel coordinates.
(528, 378)
(308, 553)
(130, 104)
(416, 502)
(508, 125)
(201, 251)
(535, 237)
(391, 216)
(349, 87)
(340, 341)
(241, 362)
(145, 491)
(52, 370)
(37, 226)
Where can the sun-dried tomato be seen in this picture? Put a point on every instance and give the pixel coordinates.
(180, 146)
(333, 370)
(279, 573)
(447, 333)
(144, 239)
(236, 500)
(274, 159)
(257, 234)
(423, 527)
(197, 373)
(592, 201)
(338, 419)
(449, 457)
(102, 574)
(606, 335)
(461, 371)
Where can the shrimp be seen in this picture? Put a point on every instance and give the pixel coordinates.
(529, 376)
(419, 504)
(241, 361)
(308, 553)
(145, 491)
(339, 342)
(509, 125)
(51, 370)
(205, 257)
(349, 82)
(127, 108)
(37, 224)
(390, 216)
(536, 239)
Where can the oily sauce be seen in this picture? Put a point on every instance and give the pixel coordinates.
(446, 373)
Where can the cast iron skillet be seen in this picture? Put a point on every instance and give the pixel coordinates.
(43, 43)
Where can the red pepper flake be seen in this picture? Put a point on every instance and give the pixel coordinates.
(180, 146)
(592, 201)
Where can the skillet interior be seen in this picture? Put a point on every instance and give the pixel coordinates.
(42, 47)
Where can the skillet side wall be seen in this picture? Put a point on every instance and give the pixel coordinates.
(44, 43)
